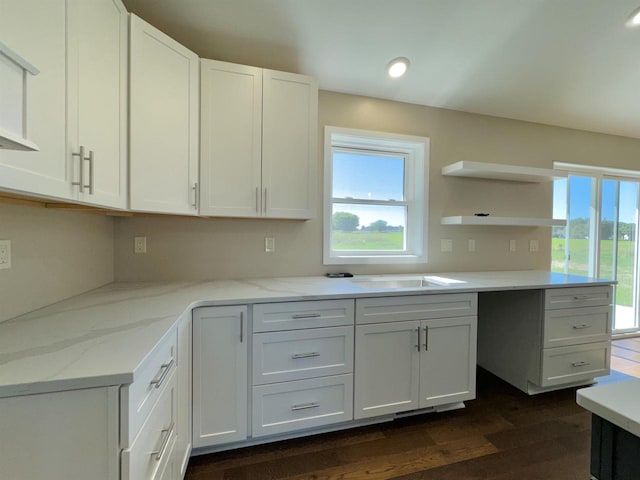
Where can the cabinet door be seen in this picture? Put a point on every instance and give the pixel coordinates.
(219, 375)
(183, 417)
(289, 145)
(448, 360)
(230, 140)
(163, 110)
(386, 368)
(37, 31)
(97, 87)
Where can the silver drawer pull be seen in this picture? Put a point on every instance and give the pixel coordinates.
(165, 442)
(581, 327)
(304, 406)
(305, 315)
(305, 355)
(581, 297)
(164, 370)
(579, 364)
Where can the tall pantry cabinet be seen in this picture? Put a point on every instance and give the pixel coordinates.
(76, 104)
(258, 142)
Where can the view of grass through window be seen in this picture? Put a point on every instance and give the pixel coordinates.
(348, 234)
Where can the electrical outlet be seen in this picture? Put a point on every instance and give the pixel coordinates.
(533, 245)
(512, 245)
(5, 254)
(446, 245)
(139, 244)
(472, 245)
(269, 244)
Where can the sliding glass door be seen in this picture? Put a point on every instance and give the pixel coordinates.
(600, 239)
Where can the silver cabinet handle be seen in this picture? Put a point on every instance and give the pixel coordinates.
(80, 183)
(265, 200)
(426, 338)
(304, 406)
(195, 195)
(305, 315)
(418, 345)
(581, 297)
(579, 364)
(165, 442)
(90, 159)
(241, 327)
(580, 327)
(257, 199)
(164, 370)
(305, 355)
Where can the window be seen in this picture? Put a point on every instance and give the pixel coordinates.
(375, 197)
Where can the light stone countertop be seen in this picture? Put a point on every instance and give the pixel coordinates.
(615, 402)
(101, 337)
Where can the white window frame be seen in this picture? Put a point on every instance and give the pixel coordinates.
(415, 151)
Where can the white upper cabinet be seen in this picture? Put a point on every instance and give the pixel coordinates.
(77, 100)
(97, 114)
(231, 142)
(258, 142)
(289, 144)
(164, 101)
(36, 30)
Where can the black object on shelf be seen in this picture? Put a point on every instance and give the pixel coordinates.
(482, 214)
(340, 275)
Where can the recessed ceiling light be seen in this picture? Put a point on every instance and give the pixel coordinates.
(398, 67)
(634, 18)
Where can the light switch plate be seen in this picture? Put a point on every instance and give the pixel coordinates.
(446, 245)
(512, 245)
(5, 254)
(472, 245)
(269, 244)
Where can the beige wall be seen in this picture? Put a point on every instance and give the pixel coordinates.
(55, 255)
(191, 248)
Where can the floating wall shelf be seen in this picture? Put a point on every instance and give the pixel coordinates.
(503, 221)
(496, 171)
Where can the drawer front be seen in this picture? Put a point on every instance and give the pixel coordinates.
(570, 364)
(572, 326)
(153, 447)
(272, 317)
(577, 297)
(141, 395)
(418, 307)
(290, 406)
(300, 354)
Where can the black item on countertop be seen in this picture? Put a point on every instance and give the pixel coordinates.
(340, 275)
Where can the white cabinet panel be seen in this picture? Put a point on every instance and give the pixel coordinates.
(574, 363)
(289, 148)
(183, 416)
(570, 326)
(231, 143)
(219, 375)
(75, 435)
(43, 43)
(271, 317)
(290, 406)
(387, 368)
(573, 297)
(448, 361)
(164, 100)
(300, 354)
(97, 87)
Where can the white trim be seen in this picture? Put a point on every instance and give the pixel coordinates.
(415, 150)
(598, 172)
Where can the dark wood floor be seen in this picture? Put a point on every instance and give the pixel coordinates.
(502, 435)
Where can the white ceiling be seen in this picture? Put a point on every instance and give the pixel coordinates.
(571, 63)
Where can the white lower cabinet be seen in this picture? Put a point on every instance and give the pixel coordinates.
(183, 425)
(60, 435)
(219, 375)
(407, 365)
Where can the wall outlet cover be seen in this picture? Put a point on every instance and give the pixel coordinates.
(140, 244)
(5, 254)
(446, 245)
(269, 244)
(512, 245)
(533, 245)
(472, 245)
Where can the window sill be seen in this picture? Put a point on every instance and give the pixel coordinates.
(374, 260)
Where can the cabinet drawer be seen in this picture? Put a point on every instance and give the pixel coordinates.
(271, 317)
(137, 399)
(572, 326)
(153, 447)
(300, 354)
(577, 297)
(570, 364)
(289, 406)
(418, 307)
